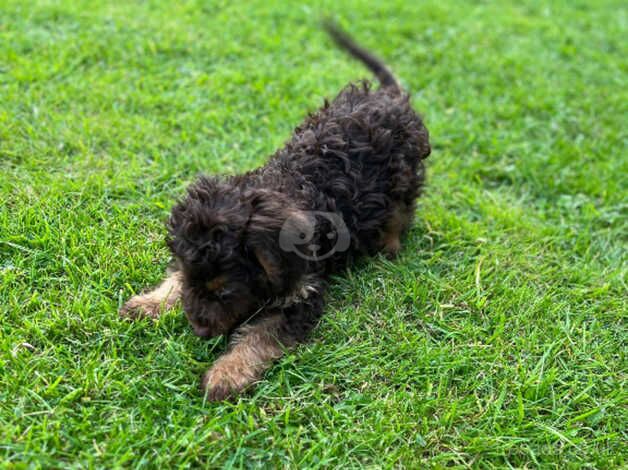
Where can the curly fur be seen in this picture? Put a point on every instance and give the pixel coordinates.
(359, 156)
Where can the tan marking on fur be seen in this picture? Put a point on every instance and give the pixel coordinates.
(153, 303)
(399, 222)
(216, 283)
(252, 351)
(272, 270)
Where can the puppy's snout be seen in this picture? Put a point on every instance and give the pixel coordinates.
(202, 331)
(205, 325)
(314, 247)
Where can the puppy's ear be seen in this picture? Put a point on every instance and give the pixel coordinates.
(271, 266)
(269, 213)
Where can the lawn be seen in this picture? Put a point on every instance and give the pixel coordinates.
(497, 338)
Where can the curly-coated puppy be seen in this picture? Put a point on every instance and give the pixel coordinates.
(252, 252)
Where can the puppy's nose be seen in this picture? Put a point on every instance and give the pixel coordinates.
(314, 247)
(202, 331)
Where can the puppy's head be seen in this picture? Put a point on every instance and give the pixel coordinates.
(225, 241)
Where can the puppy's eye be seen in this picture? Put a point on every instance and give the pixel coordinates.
(223, 294)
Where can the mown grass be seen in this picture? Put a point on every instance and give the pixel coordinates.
(498, 337)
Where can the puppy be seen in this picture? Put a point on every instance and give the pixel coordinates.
(252, 252)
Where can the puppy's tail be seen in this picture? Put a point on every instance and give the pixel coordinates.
(375, 65)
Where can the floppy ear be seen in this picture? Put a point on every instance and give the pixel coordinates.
(271, 266)
(269, 212)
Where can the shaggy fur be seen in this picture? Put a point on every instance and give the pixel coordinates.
(360, 157)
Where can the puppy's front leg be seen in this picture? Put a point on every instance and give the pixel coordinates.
(255, 346)
(253, 349)
(153, 303)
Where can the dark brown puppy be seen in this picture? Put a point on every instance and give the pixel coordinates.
(252, 252)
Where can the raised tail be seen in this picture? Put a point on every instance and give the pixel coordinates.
(375, 65)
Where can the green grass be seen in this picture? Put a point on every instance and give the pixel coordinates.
(498, 338)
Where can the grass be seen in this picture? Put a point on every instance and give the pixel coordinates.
(498, 338)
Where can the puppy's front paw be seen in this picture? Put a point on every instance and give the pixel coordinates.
(140, 307)
(224, 381)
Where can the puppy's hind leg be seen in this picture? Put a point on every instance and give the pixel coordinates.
(153, 303)
(397, 224)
